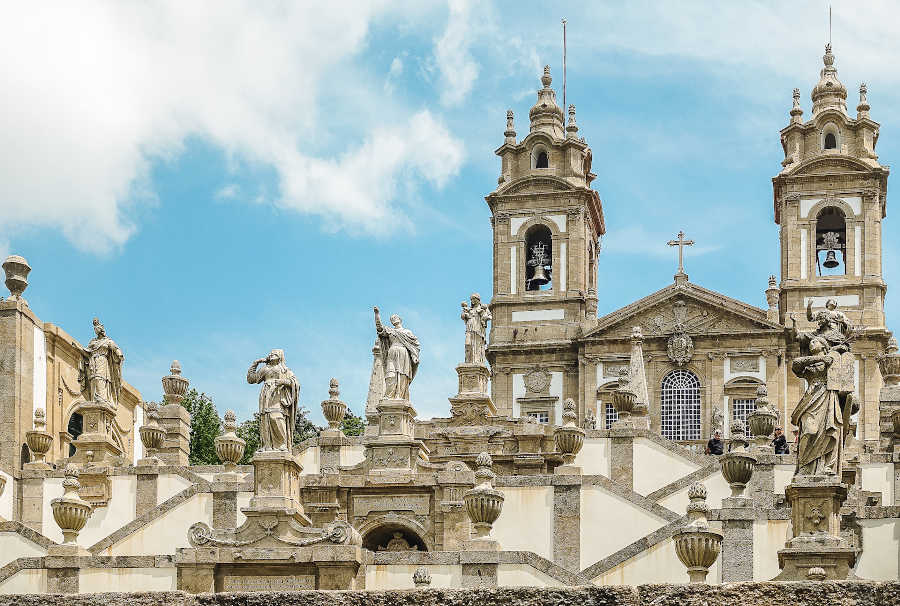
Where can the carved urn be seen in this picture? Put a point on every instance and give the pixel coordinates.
(70, 511)
(761, 421)
(229, 447)
(624, 397)
(483, 503)
(152, 435)
(889, 364)
(569, 438)
(421, 578)
(737, 464)
(333, 409)
(17, 270)
(38, 440)
(696, 545)
(174, 385)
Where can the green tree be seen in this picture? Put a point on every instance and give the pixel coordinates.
(353, 425)
(205, 426)
(304, 429)
(249, 432)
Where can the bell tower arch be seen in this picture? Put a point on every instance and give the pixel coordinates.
(547, 222)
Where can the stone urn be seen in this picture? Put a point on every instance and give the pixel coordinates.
(696, 545)
(174, 385)
(737, 464)
(229, 447)
(889, 364)
(569, 438)
(17, 270)
(483, 503)
(761, 422)
(333, 409)
(624, 397)
(421, 578)
(152, 435)
(38, 440)
(70, 511)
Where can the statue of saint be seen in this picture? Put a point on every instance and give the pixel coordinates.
(399, 350)
(476, 318)
(277, 401)
(824, 411)
(101, 373)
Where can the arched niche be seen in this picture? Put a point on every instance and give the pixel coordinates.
(538, 258)
(393, 533)
(831, 241)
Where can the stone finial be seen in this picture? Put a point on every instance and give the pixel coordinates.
(829, 93)
(174, 385)
(546, 79)
(483, 503)
(546, 115)
(229, 447)
(483, 472)
(569, 414)
(737, 464)
(333, 409)
(421, 578)
(696, 545)
(152, 434)
(862, 110)
(772, 281)
(510, 133)
(569, 438)
(175, 368)
(17, 270)
(70, 511)
(796, 110)
(572, 127)
(40, 418)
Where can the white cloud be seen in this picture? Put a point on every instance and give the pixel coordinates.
(228, 192)
(454, 60)
(95, 93)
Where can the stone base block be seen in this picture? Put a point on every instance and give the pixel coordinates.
(796, 562)
(277, 481)
(568, 470)
(482, 544)
(148, 462)
(67, 551)
(736, 502)
(36, 466)
(473, 379)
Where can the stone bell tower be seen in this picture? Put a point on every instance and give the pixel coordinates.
(830, 198)
(547, 222)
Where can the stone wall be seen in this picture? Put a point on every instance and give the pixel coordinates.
(845, 593)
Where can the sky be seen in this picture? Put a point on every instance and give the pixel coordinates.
(215, 180)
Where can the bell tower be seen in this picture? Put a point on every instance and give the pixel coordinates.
(547, 222)
(830, 198)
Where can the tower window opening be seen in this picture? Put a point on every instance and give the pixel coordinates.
(831, 242)
(830, 141)
(542, 160)
(539, 258)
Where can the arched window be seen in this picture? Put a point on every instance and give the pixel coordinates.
(831, 239)
(830, 141)
(680, 410)
(25, 455)
(542, 160)
(75, 429)
(539, 258)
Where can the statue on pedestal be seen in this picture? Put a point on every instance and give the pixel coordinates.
(823, 413)
(101, 373)
(476, 318)
(277, 401)
(399, 351)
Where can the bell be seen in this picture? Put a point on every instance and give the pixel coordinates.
(830, 260)
(539, 278)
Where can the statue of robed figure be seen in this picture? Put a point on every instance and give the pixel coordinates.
(823, 413)
(101, 372)
(399, 356)
(476, 318)
(277, 401)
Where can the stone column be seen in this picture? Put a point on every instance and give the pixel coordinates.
(567, 522)
(147, 492)
(737, 517)
(177, 423)
(621, 457)
(32, 511)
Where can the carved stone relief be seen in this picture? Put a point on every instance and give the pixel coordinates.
(537, 381)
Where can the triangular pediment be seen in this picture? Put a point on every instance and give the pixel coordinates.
(699, 310)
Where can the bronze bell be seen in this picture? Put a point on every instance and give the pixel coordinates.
(830, 260)
(539, 278)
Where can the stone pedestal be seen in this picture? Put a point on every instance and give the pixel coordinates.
(737, 516)
(277, 482)
(96, 444)
(330, 443)
(176, 448)
(395, 447)
(816, 523)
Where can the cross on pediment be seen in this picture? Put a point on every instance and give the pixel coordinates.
(680, 243)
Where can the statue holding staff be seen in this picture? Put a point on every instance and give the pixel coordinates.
(399, 351)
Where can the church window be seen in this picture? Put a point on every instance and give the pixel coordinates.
(539, 258)
(612, 415)
(542, 160)
(741, 407)
(542, 416)
(830, 141)
(680, 410)
(831, 242)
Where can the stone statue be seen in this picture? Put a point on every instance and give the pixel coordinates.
(399, 350)
(824, 411)
(277, 401)
(476, 318)
(101, 372)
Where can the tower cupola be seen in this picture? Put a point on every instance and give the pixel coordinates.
(546, 116)
(829, 93)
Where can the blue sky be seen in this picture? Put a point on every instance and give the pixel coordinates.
(214, 181)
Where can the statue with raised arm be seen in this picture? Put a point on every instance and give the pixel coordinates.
(101, 373)
(399, 351)
(277, 400)
(823, 413)
(476, 318)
